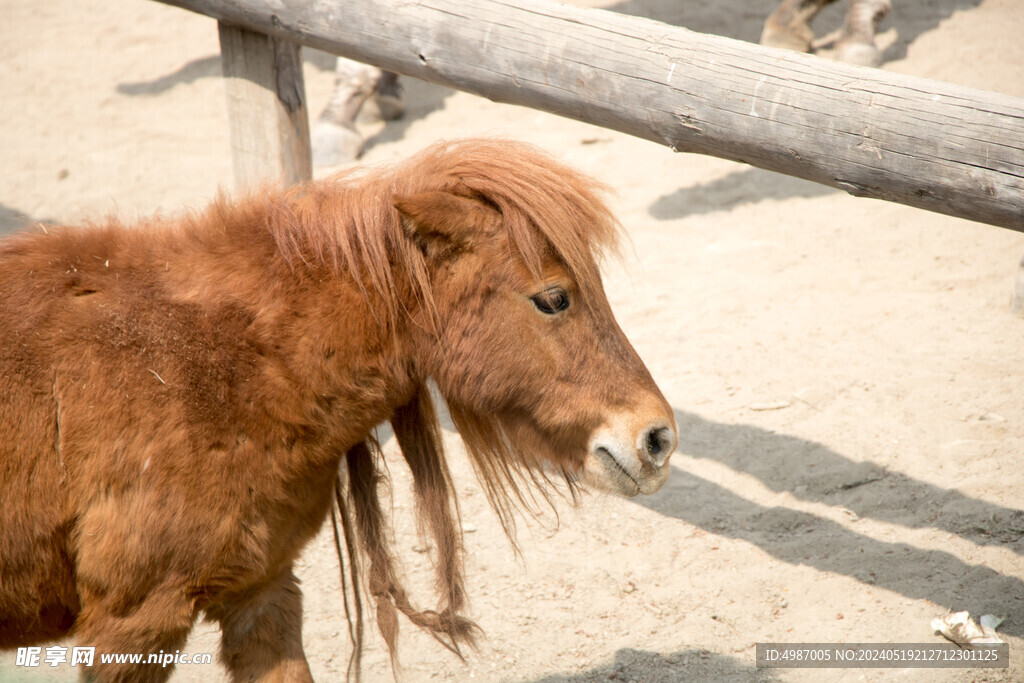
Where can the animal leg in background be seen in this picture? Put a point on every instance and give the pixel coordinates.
(262, 633)
(856, 44)
(335, 138)
(389, 98)
(789, 27)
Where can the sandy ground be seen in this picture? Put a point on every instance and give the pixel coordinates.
(845, 372)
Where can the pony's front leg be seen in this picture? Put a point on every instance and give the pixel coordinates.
(126, 638)
(262, 633)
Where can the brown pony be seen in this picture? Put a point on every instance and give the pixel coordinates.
(178, 396)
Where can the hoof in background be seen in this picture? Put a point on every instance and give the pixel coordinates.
(796, 37)
(391, 107)
(862, 54)
(334, 145)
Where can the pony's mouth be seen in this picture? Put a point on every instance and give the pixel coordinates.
(612, 464)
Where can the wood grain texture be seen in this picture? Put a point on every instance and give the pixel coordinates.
(929, 144)
(266, 108)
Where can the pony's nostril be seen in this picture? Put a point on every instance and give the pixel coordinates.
(658, 442)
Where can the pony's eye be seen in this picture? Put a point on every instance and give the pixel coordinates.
(552, 301)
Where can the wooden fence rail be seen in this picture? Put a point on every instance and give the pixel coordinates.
(929, 144)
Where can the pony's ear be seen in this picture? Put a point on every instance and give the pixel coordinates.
(443, 219)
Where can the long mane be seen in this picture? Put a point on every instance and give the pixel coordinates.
(348, 222)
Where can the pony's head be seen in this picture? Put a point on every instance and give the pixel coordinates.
(478, 262)
(521, 340)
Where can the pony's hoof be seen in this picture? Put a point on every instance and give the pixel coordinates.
(334, 144)
(390, 106)
(862, 54)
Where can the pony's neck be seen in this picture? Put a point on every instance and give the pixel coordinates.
(337, 345)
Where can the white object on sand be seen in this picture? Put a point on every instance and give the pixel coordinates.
(962, 630)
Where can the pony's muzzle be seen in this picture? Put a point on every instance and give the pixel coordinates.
(626, 460)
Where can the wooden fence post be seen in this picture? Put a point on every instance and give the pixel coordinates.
(266, 107)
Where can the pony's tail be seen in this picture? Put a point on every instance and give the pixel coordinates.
(362, 518)
(354, 619)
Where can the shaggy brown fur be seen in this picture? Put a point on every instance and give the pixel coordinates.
(176, 396)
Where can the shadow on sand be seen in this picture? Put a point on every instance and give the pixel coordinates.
(746, 185)
(12, 220)
(783, 462)
(651, 667)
